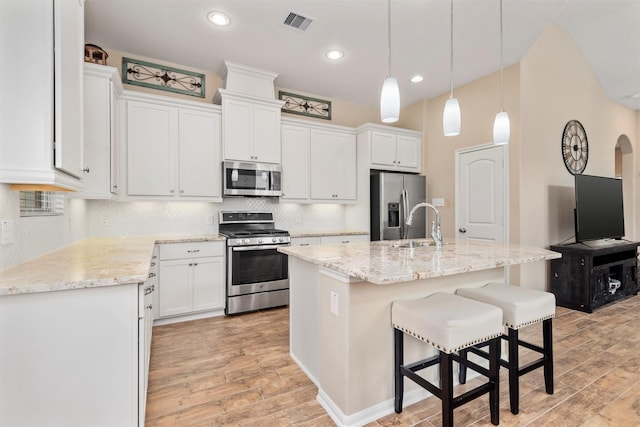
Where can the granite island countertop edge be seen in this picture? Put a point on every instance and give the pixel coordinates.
(381, 264)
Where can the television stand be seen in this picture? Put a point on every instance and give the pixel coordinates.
(590, 276)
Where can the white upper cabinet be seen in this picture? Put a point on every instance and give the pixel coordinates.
(41, 133)
(250, 128)
(102, 89)
(173, 148)
(333, 165)
(390, 148)
(199, 154)
(295, 162)
(318, 162)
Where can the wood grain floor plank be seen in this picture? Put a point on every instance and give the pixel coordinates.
(236, 371)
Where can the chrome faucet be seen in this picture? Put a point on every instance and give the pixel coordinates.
(436, 232)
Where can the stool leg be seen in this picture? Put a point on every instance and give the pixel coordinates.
(547, 346)
(446, 385)
(514, 374)
(494, 377)
(398, 338)
(462, 374)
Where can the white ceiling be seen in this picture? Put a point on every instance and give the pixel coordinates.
(177, 31)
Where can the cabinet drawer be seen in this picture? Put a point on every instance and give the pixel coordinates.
(191, 250)
(348, 238)
(305, 241)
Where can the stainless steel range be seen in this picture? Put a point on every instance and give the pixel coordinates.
(257, 274)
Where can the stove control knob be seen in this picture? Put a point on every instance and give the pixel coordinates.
(246, 241)
(281, 239)
(260, 240)
(273, 239)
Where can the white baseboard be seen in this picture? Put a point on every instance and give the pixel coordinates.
(187, 317)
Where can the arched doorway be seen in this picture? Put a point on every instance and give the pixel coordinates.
(624, 169)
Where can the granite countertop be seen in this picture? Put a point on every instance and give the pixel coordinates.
(89, 263)
(386, 262)
(295, 234)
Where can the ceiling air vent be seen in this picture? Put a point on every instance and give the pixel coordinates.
(296, 21)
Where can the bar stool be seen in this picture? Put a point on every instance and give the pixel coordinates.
(449, 323)
(520, 307)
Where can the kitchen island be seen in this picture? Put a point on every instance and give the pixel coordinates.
(340, 311)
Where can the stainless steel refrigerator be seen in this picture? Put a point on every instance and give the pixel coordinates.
(392, 197)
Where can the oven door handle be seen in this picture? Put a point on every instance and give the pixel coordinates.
(253, 248)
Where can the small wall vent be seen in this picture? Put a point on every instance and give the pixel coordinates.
(296, 21)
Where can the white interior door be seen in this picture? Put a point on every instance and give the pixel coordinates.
(481, 180)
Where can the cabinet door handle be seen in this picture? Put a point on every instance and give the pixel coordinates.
(153, 264)
(150, 306)
(148, 290)
(152, 275)
(115, 186)
(462, 230)
(304, 244)
(193, 251)
(345, 241)
(195, 263)
(86, 170)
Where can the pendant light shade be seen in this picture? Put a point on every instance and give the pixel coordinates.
(501, 129)
(390, 95)
(501, 125)
(451, 117)
(390, 101)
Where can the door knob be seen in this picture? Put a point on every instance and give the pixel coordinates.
(462, 230)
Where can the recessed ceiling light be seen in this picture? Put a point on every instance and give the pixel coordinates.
(334, 55)
(416, 79)
(635, 96)
(219, 19)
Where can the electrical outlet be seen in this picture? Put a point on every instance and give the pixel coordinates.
(333, 303)
(7, 231)
(437, 202)
(104, 220)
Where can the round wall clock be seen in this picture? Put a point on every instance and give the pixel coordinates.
(575, 147)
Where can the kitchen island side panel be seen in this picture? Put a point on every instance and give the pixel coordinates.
(348, 348)
(70, 358)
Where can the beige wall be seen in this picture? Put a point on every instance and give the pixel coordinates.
(557, 85)
(479, 103)
(551, 85)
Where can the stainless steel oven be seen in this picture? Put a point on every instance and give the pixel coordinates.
(257, 274)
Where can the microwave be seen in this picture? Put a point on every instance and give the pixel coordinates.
(251, 179)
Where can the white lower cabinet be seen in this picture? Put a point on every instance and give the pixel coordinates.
(346, 238)
(76, 357)
(191, 278)
(329, 239)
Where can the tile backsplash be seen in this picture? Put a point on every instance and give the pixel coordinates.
(112, 218)
(36, 236)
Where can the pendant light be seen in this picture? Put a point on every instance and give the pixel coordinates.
(451, 116)
(390, 95)
(501, 126)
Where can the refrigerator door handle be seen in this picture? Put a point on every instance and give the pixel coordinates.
(404, 209)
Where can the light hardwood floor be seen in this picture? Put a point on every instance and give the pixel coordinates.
(236, 370)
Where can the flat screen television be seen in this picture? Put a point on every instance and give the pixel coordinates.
(599, 211)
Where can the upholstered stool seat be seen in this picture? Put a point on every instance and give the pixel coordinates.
(450, 323)
(520, 307)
